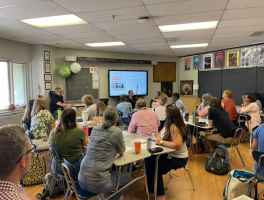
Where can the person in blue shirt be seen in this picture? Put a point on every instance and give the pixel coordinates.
(177, 102)
(258, 145)
(124, 107)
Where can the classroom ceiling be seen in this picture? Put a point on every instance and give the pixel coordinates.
(238, 20)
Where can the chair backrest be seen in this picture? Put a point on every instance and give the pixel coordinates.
(120, 114)
(69, 180)
(244, 117)
(259, 158)
(54, 153)
(30, 134)
(129, 117)
(73, 170)
(26, 127)
(237, 131)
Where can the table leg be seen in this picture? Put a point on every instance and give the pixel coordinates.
(197, 140)
(146, 180)
(156, 176)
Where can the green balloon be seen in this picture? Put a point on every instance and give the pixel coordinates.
(64, 71)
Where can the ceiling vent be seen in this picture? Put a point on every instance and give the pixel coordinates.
(257, 34)
(177, 39)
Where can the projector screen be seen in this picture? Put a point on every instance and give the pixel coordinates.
(120, 82)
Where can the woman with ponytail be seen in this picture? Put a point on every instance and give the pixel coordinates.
(68, 138)
(163, 99)
(106, 140)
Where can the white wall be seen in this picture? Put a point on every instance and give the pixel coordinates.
(59, 54)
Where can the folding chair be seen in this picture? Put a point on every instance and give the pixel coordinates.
(237, 131)
(246, 118)
(74, 187)
(123, 121)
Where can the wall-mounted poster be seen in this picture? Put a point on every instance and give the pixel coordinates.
(232, 58)
(208, 61)
(187, 63)
(197, 62)
(249, 56)
(261, 55)
(219, 59)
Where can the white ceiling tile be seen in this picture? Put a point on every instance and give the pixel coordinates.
(240, 39)
(78, 6)
(4, 19)
(33, 10)
(96, 40)
(233, 4)
(87, 35)
(189, 42)
(26, 33)
(195, 38)
(135, 31)
(183, 7)
(140, 37)
(243, 13)
(120, 14)
(74, 46)
(158, 45)
(15, 2)
(14, 25)
(41, 39)
(81, 28)
(189, 33)
(188, 18)
(234, 44)
(259, 39)
(240, 29)
(135, 42)
(232, 35)
(127, 24)
(158, 1)
(241, 22)
(60, 42)
(122, 47)
(144, 49)
(21, 40)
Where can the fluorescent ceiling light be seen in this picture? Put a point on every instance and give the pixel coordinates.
(105, 44)
(189, 46)
(62, 20)
(190, 26)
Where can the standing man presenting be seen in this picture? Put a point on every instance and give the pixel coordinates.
(131, 98)
(177, 102)
(15, 156)
(57, 102)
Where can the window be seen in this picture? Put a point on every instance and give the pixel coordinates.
(13, 84)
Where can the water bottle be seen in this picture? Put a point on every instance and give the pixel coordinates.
(153, 140)
(59, 113)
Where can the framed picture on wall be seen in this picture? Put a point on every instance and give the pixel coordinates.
(48, 86)
(47, 77)
(46, 56)
(186, 88)
(166, 87)
(47, 67)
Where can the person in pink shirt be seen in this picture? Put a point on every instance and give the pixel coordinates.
(144, 122)
(251, 108)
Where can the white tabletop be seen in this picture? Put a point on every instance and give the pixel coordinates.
(200, 120)
(89, 124)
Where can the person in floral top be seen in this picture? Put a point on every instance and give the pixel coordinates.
(41, 124)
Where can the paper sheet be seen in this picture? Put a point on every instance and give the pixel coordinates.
(143, 141)
(125, 132)
(95, 77)
(95, 85)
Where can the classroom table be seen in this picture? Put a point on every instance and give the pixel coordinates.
(190, 123)
(128, 137)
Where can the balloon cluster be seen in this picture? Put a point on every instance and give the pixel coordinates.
(65, 71)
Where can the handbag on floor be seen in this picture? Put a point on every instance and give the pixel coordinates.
(37, 170)
(238, 183)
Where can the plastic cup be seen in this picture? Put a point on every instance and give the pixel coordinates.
(137, 146)
(86, 129)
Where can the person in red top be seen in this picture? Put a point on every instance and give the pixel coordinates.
(15, 156)
(229, 105)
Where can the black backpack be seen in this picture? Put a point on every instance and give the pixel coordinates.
(218, 162)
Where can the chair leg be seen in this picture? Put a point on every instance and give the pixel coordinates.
(240, 156)
(68, 194)
(250, 139)
(190, 177)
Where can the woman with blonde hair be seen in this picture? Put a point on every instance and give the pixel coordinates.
(68, 138)
(161, 110)
(229, 105)
(204, 107)
(90, 107)
(100, 109)
(41, 124)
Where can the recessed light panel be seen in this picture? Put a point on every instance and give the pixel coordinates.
(187, 27)
(189, 46)
(105, 44)
(62, 20)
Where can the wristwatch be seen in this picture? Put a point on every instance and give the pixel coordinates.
(161, 142)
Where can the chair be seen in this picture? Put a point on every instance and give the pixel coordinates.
(246, 118)
(74, 187)
(237, 131)
(123, 121)
(31, 137)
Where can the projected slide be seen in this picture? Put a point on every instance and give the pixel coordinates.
(120, 82)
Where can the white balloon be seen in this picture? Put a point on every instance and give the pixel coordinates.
(75, 67)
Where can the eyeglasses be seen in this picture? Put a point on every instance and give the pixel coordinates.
(32, 150)
(60, 91)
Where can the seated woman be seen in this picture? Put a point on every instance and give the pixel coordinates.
(258, 100)
(173, 135)
(160, 110)
(251, 108)
(155, 103)
(41, 124)
(68, 138)
(258, 145)
(202, 110)
(100, 108)
(90, 107)
(218, 117)
(27, 115)
(96, 173)
(229, 105)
